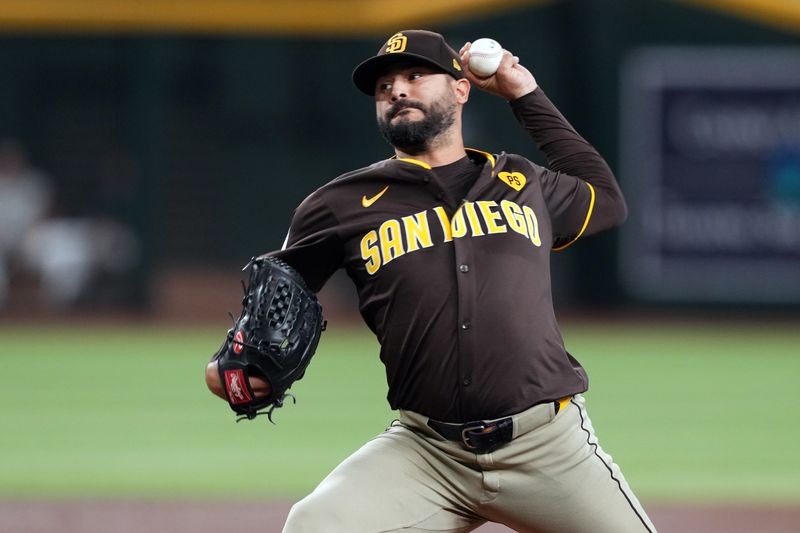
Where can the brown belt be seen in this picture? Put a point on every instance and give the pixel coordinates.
(483, 436)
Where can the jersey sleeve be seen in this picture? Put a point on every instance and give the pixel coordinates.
(571, 204)
(580, 189)
(312, 246)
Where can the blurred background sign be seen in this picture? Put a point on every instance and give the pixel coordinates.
(710, 142)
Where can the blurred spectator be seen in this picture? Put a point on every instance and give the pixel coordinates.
(25, 197)
(71, 255)
(72, 258)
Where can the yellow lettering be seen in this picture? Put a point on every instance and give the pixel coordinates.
(490, 217)
(391, 240)
(514, 217)
(370, 253)
(396, 43)
(417, 231)
(472, 216)
(444, 220)
(411, 233)
(533, 225)
(458, 224)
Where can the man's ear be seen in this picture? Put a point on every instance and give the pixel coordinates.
(462, 90)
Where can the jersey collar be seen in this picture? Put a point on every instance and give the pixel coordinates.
(472, 153)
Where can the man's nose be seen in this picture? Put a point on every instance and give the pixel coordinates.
(399, 90)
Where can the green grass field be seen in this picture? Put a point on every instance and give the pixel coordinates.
(701, 414)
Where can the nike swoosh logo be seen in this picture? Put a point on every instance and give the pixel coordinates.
(366, 202)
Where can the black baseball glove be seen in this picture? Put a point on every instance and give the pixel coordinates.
(274, 338)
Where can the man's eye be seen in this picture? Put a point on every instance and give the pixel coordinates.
(415, 75)
(385, 86)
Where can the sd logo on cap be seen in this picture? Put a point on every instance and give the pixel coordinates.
(415, 46)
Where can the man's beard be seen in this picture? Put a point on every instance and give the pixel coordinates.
(415, 136)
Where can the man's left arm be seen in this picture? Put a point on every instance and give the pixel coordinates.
(581, 181)
(569, 153)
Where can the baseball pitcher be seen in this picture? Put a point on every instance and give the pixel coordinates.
(449, 250)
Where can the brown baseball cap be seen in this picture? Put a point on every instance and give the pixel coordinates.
(420, 46)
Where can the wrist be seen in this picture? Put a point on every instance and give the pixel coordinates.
(521, 96)
(523, 90)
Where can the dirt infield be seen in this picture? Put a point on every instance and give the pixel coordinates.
(202, 517)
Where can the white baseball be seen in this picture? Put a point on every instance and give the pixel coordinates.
(484, 57)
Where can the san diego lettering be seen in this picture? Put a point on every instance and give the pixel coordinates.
(396, 237)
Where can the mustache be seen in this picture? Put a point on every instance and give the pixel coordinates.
(403, 104)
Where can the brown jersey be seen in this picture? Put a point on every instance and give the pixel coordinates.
(457, 290)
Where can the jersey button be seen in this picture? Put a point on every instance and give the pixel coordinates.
(466, 324)
(440, 196)
(464, 268)
(426, 179)
(466, 382)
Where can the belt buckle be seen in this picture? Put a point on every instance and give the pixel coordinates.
(475, 427)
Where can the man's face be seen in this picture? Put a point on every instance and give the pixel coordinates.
(414, 105)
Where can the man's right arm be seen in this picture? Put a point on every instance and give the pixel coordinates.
(214, 383)
(313, 246)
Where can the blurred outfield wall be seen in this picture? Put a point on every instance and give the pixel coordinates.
(204, 143)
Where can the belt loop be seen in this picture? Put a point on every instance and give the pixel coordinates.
(560, 404)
